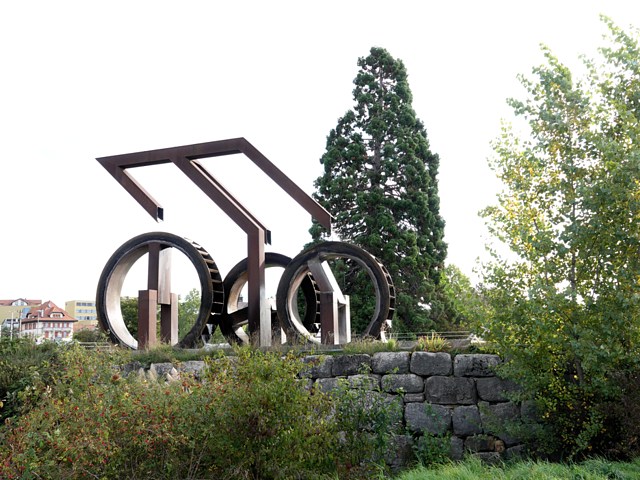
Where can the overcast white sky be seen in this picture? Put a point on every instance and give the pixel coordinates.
(85, 79)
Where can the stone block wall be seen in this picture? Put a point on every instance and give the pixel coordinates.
(439, 394)
(456, 397)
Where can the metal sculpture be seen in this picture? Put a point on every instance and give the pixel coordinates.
(326, 316)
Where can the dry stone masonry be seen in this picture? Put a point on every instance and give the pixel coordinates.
(456, 397)
(441, 395)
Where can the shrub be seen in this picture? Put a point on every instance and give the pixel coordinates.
(250, 416)
(370, 346)
(366, 420)
(433, 343)
(431, 450)
(267, 422)
(620, 436)
(89, 335)
(22, 365)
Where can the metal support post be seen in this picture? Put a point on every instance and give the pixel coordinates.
(147, 304)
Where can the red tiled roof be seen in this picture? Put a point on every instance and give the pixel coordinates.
(46, 311)
(7, 303)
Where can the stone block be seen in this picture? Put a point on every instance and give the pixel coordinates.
(475, 365)
(317, 366)
(193, 367)
(161, 369)
(365, 382)
(494, 389)
(431, 363)
(456, 452)
(450, 390)
(127, 368)
(400, 454)
(427, 418)
(515, 453)
(413, 397)
(480, 443)
(466, 420)
(345, 365)
(390, 362)
(499, 419)
(327, 384)
(406, 382)
(490, 458)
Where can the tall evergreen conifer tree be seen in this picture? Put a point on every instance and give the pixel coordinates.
(380, 185)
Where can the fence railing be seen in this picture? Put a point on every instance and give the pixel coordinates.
(96, 345)
(453, 335)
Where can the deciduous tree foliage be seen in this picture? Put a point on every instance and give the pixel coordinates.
(380, 184)
(566, 301)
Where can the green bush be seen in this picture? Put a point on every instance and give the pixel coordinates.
(22, 365)
(432, 343)
(366, 420)
(251, 416)
(89, 335)
(432, 450)
(267, 422)
(620, 437)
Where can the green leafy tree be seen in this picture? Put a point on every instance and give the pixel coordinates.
(188, 312)
(380, 185)
(469, 304)
(565, 300)
(129, 308)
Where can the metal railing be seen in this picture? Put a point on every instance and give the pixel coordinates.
(96, 345)
(452, 335)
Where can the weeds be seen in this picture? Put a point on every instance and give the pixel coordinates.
(370, 346)
(432, 343)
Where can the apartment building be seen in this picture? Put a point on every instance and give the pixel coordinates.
(11, 311)
(81, 309)
(47, 321)
(85, 312)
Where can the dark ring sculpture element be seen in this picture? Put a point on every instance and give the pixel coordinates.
(234, 315)
(116, 269)
(300, 267)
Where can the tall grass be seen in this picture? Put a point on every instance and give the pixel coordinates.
(474, 469)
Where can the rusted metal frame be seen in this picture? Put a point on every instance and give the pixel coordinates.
(199, 175)
(257, 234)
(150, 205)
(284, 182)
(335, 323)
(117, 164)
(158, 290)
(169, 320)
(258, 315)
(147, 317)
(214, 149)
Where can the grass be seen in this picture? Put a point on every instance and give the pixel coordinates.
(369, 346)
(474, 469)
(165, 353)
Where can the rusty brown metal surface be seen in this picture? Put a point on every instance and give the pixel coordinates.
(117, 165)
(169, 320)
(186, 159)
(147, 301)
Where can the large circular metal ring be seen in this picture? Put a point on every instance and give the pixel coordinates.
(298, 269)
(113, 275)
(234, 315)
